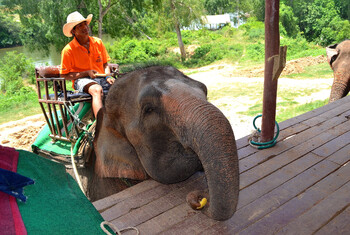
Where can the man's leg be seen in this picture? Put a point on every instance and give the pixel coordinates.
(96, 92)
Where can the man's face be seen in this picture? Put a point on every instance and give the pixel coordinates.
(81, 29)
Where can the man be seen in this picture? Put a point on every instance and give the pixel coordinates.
(84, 58)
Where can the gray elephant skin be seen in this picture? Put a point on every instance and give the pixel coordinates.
(338, 56)
(158, 123)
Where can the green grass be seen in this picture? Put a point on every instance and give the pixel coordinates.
(297, 109)
(19, 106)
(314, 71)
(287, 106)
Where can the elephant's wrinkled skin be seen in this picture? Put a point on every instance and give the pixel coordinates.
(157, 122)
(338, 56)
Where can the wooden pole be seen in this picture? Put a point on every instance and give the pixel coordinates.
(272, 45)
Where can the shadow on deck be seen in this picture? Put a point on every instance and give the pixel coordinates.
(300, 186)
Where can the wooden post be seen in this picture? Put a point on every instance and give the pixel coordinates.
(272, 45)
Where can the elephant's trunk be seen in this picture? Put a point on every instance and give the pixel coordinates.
(202, 127)
(341, 85)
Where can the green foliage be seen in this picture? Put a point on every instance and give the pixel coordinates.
(291, 111)
(132, 50)
(255, 52)
(254, 29)
(14, 68)
(9, 32)
(323, 23)
(216, 6)
(17, 106)
(289, 21)
(299, 47)
(259, 9)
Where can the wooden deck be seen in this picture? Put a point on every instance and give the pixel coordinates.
(300, 186)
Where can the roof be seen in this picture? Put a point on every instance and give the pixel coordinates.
(216, 19)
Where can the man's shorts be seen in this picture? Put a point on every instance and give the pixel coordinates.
(80, 83)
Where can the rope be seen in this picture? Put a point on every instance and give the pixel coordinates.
(115, 229)
(75, 168)
(256, 135)
(82, 126)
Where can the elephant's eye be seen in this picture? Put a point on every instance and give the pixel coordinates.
(149, 110)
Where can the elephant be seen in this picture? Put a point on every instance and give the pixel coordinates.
(157, 123)
(338, 56)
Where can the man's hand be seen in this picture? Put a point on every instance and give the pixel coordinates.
(92, 73)
(110, 80)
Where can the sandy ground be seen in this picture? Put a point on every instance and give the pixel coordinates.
(21, 134)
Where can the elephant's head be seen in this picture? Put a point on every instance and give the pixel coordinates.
(338, 56)
(157, 122)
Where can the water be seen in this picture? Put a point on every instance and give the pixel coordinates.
(39, 57)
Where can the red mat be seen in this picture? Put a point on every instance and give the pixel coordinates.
(10, 218)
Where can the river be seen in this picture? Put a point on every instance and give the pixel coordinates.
(39, 57)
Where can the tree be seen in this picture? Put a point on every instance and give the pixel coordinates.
(214, 7)
(344, 8)
(9, 32)
(322, 22)
(102, 12)
(289, 21)
(42, 20)
(14, 68)
(182, 14)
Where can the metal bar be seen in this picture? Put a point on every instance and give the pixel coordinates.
(58, 127)
(45, 115)
(64, 120)
(56, 137)
(272, 44)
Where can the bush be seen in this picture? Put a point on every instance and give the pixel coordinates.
(288, 21)
(254, 30)
(132, 50)
(299, 47)
(255, 52)
(14, 68)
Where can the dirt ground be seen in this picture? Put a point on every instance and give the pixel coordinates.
(22, 133)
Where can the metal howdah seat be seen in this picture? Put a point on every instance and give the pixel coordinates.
(58, 106)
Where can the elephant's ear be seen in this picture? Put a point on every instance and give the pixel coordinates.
(332, 53)
(115, 156)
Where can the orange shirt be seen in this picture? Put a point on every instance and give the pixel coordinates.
(76, 58)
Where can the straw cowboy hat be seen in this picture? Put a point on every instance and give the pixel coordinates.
(74, 19)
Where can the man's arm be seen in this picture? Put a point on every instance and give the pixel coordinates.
(107, 70)
(76, 75)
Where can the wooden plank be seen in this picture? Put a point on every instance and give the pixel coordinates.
(324, 110)
(280, 217)
(320, 214)
(293, 142)
(159, 206)
(160, 223)
(107, 202)
(266, 168)
(339, 225)
(250, 213)
(341, 156)
(333, 145)
(248, 150)
(148, 197)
